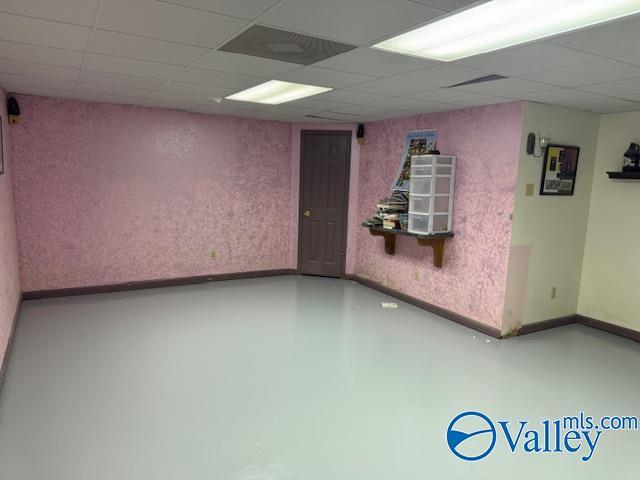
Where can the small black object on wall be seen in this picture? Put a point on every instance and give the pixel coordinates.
(13, 111)
(360, 134)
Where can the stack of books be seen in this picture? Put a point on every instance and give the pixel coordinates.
(391, 213)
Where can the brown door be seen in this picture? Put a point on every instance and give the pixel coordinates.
(324, 183)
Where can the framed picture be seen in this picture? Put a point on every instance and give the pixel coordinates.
(1, 150)
(418, 142)
(559, 170)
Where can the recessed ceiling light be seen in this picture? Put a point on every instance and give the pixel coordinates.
(504, 23)
(276, 92)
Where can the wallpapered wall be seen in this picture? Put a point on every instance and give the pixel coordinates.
(9, 278)
(110, 193)
(486, 141)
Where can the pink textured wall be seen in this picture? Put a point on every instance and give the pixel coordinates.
(296, 139)
(9, 278)
(110, 193)
(486, 141)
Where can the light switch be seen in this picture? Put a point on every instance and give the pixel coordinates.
(529, 192)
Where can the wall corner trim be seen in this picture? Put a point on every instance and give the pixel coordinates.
(12, 333)
(157, 283)
(442, 312)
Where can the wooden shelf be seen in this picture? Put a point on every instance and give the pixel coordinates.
(624, 175)
(436, 241)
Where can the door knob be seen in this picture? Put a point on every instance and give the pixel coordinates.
(307, 213)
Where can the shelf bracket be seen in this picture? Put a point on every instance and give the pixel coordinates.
(389, 241)
(438, 249)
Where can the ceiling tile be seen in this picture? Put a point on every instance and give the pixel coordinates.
(613, 40)
(319, 104)
(244, 64)
(356, 21)
(587, 74)
(620, 88)
(247, 9)
(366, 110)
(400, 103)
(378, 63)
(38, 70)
(218, 79)
(39, 54)
(531, 58)
(79, 12)
(168, 22)
(36, 82)
(420, 81)
(129, 66)
(600, 104)
(632, 59)
(43, 91)
(448, 5)
(173, 100)
(454, 96)
(324, 77)
(141, 48)
(193, 89)
(119, 80)
(105, 98)
(114, 90)
(507, 87)
(34, 31)
(556, 96)
(348, 97)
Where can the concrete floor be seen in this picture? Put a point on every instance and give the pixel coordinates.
(292, 378)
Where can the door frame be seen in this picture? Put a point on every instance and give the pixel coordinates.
(347, 180)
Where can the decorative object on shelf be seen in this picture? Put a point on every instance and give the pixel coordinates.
(360, 134)
(13, 111)
(631, 160)
(417, 142)
(389, 211)
(1, 150)
(559, 170)
(436, 241)
(431, 194)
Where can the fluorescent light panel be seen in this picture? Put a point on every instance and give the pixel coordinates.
(504, 23)
(276, 92)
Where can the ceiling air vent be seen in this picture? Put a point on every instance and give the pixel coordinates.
(488, 78)
(266, 42)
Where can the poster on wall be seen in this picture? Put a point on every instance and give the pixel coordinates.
(559, 171)
(415, 143)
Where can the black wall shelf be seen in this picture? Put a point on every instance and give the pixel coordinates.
(625, 175)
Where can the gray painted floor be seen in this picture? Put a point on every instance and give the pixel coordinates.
(292, 378)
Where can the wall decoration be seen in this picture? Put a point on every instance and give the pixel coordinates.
(559, 171)
(418, 142)
(1, 150)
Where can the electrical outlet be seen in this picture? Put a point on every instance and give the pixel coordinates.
(529, 192)
(554, 293)
(213, 255)
(416, 275)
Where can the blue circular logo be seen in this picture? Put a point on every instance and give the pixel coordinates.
(471, 436)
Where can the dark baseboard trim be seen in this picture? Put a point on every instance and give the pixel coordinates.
(545, 325)
(7, 352)
(145, 284)
(608, 327)
(442, 312)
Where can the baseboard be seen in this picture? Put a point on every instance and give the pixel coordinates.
(14, 325)
(545, 325)
(609, 327)
(145, 284)
(442, 312)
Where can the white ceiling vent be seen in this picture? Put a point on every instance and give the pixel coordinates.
(266, 42)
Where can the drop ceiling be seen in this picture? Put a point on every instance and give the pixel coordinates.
(167, 54)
